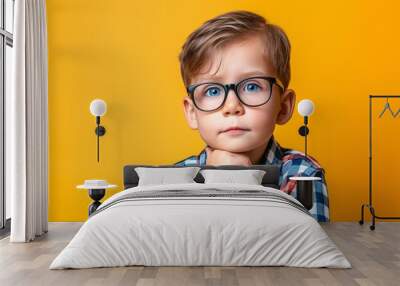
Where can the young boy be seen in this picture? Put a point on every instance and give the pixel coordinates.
(236, 69)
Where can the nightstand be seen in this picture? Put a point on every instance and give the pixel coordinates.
(97, 190)
(305, 190)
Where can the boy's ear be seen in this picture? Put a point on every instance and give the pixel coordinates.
(189, 110)
(288, 102)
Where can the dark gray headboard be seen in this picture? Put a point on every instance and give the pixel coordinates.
(270, 179)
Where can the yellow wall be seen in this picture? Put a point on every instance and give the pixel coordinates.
(125, 52)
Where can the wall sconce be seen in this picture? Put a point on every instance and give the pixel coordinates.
(98, 108)
(305, 109)
(304, 184)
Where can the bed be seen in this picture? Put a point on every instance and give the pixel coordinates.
(201, 224)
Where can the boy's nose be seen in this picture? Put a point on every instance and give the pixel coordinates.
(232, 105)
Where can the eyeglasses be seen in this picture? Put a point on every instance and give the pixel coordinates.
(253, 91)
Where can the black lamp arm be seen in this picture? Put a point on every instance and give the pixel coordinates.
(100, 131)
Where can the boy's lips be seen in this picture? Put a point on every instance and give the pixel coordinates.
(234, 129)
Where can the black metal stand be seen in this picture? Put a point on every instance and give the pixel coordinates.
(303, 131)
(305, 193)
(96, 195)
(369, 205)
(100, 131)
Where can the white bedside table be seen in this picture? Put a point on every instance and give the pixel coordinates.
(97, 190)
(305, 190)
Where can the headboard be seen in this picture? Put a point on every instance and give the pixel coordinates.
(270, 179)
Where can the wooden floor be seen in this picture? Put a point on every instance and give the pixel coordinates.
(375, 256)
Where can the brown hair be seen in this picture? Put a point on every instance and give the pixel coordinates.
(224, 28)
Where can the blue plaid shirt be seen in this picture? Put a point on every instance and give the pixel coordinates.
(293, 163)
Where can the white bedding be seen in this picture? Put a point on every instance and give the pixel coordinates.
(190, 230)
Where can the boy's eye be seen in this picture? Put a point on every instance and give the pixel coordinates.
(212, 91)
(251, 87)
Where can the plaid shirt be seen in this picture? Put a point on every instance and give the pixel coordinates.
(293, 163)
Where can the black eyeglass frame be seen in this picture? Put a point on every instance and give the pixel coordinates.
(227, 87)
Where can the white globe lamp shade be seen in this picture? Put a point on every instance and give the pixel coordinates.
(98, 107)
(305, 107)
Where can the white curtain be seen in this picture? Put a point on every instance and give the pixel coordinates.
(27, 124)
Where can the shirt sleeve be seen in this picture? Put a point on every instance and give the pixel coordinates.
(320, 209)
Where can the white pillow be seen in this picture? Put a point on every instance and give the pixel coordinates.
(249, 177)
(161, 176)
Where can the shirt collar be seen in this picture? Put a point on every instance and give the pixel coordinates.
(273, 153)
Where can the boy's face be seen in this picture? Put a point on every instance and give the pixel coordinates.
(236, 61)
